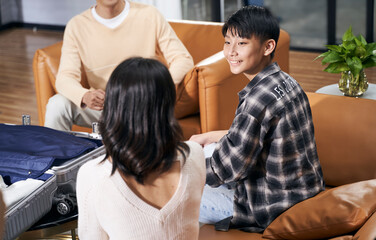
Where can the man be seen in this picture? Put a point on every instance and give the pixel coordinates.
(267, 161)
(95, 42)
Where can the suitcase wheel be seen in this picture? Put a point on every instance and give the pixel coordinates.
(64, 206)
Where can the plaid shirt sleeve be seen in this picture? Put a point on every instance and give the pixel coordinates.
(238, 147)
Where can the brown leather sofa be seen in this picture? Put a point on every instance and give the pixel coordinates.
(345, 134)
(204, 41)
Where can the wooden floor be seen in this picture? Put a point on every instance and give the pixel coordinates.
(17, 91)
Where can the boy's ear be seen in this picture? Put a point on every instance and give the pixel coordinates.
(269, 47)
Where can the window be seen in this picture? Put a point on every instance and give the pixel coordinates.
(311, 24)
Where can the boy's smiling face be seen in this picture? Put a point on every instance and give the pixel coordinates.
(246, 55)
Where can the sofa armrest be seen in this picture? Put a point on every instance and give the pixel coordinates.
(368, 230)
(218, 89)
(45, 66)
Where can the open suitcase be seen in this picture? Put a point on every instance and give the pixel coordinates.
(57, 192)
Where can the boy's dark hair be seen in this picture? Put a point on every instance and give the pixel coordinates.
(138, 127)
(252, 21)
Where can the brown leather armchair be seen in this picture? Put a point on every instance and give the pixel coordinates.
(204, 41)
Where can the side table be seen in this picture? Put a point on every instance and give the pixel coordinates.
(333, 90)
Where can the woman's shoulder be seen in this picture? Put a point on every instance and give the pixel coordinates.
(94, 169)
(193, 145)
(195, 149)
(196, 154)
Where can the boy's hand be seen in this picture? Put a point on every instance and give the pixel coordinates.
(208, 137)
(93, 99)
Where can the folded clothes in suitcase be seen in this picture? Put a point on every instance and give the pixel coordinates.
(27, 151)
(40, 153)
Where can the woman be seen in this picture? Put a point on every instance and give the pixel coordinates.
(149, 185)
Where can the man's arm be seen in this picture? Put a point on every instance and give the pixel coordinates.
(68, 79)
(93, 99)
(178, 58)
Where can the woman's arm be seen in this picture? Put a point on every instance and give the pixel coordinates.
(88, 224)
(208, 137)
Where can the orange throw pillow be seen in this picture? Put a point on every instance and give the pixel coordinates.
(331, 213)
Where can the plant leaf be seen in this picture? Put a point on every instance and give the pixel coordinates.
(322, 55)
(359, 43)
(349, 45)
(355, 65)
(361, 39)
(370, 62)
(370, 48)
(332, 57)
(360, 52)
(335, 48)
(337, 67)
(348, 35)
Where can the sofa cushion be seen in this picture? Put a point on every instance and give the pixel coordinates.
(331, 213)
(190, 126)
(345, 135)
(187, 95)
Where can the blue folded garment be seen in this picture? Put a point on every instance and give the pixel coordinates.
(28, 151)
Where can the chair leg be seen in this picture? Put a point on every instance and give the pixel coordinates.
(73, 233)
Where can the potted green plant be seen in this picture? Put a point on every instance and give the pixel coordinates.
(350, 58)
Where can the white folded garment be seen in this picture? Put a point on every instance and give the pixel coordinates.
(209, 149)
(18, 190)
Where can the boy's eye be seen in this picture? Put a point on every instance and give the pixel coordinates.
(227, 42)
(242, 43)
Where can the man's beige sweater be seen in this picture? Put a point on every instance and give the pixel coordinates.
(95, 49)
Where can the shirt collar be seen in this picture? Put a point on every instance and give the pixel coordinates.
(112, 22)
(269, 70)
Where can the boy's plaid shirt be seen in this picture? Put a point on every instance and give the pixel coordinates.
(269, 151)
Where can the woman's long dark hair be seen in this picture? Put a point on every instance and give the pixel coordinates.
(138, 127)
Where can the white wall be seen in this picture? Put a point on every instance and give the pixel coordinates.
(53, 12)
(171, 9)
(58, 12)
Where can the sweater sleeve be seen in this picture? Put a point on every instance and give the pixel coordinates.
(177, 56)
(68, 80)
(197, 154)
(88, 223)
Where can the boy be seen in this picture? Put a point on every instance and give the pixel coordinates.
(269, 153)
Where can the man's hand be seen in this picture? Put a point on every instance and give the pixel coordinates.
(208, 137)
(94, 99)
